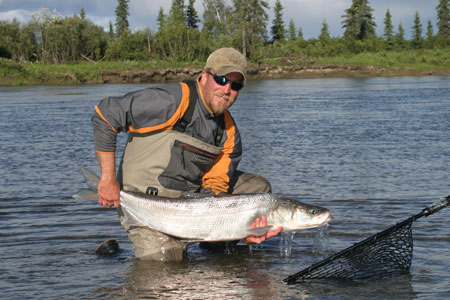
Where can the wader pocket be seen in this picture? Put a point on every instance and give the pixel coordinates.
(186, 167)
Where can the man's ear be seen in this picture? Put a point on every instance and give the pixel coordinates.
(203, 78)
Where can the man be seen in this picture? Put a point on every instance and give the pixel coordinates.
(181, 139)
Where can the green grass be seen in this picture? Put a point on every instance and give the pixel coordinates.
(13, 73)
(35, 73)
(416, 60)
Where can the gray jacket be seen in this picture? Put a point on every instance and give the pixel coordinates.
(157, 109)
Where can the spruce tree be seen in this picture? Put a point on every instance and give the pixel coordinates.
(250, 22)
(358, 21)
(429, 30)
(417, 39)
(122, 14)
(111, 31)
(292, 33)
(324, 32)
(300, 34)
(192, 19)
(161, 20)
(430, 36)
(443, 14)
(388, 31)
(400, 37)
(177, 16)
(278, 30)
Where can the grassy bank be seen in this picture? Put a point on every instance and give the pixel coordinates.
(388, 63)
(13, 73)
(415, 61)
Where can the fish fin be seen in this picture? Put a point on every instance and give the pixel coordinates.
(92, 179)
(129, 219)
(259, 231)
(86, 194)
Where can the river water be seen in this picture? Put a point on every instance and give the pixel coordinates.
(375, 151)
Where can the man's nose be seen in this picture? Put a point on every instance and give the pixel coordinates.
(227, 88)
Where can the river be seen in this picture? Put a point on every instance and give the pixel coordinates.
(374, 151)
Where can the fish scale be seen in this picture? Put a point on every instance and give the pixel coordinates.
(217, 218)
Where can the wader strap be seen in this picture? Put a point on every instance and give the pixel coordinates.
(220, 129)
(181, 124)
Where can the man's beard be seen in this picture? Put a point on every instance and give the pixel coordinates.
(222, 95)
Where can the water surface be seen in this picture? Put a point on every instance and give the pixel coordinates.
(374, 151)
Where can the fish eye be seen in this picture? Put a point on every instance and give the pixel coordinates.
(313, 211)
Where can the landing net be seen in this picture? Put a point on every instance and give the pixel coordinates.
(387, 253)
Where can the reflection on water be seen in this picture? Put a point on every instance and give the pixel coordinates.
(398, 288)
(223, 277)
(215, 277)
(373, 151)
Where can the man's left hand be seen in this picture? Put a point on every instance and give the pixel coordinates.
(261, 222)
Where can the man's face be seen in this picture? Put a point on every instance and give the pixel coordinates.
(219, 97)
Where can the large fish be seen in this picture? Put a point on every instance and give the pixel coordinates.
(219, 218)
(200, 217)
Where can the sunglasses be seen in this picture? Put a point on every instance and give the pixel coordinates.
(222, 80)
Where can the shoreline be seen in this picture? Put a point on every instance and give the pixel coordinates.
(255, 72)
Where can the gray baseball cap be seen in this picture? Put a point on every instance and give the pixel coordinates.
(227, 60)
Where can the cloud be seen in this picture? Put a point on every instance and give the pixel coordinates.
(20, 15)
(307, 14)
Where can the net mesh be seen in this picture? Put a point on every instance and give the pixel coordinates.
(387, 253)
(390, 254)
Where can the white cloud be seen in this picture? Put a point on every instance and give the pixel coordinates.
(307, 14)
(20, 15)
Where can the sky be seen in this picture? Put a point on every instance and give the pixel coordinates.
(306, 14)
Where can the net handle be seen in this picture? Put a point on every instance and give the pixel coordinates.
(432, 209)
(425, 212)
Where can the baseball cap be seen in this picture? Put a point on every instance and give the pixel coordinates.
(227, 60)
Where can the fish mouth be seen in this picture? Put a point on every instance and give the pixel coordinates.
(316, 225)
(324, 222)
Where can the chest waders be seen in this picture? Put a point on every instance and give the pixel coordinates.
(168, 162)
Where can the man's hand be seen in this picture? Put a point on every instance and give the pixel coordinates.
(108, 192)
(261, 222)
(108, 187)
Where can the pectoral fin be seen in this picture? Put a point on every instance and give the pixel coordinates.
(86, 194)
(92, 179)
(128, 218)
(259, 231)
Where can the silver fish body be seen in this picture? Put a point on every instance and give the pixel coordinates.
(218, 218)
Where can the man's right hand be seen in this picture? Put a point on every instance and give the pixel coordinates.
(108, 192)
(108, 187)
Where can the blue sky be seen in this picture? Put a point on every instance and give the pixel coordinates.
(307, 14)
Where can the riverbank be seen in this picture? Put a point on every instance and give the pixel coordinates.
(14, 74)
(261, 72)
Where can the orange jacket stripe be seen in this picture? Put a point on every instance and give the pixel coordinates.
(107, 153)
(168, 125)
(104, 119)
(217, 178)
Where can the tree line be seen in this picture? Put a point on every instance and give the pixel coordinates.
(182, 36)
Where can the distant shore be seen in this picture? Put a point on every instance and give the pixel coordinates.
(263, 72)
(169, 74)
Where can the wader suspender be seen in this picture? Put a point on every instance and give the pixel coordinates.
(181, 124)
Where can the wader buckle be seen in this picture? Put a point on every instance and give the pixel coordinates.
(152, 191)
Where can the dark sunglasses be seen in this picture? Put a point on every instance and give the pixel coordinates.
(222, 80)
